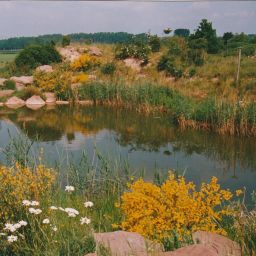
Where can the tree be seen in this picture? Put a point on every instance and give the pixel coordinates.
(182, 32)
(154, 43)
(167, 31)
(206, 31)
(65, 41)
(226, 37)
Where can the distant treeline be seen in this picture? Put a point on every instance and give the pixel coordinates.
(101, 37)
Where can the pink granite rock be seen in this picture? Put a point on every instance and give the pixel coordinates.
(45, 69)
(22, 79)
(15, 102)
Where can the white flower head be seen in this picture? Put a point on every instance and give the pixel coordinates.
(46, 221)
(23, 223)
(54, 208)
(71, 212)
(61, 209)
(17, 225)
(12, 238)
(10, 227)
(34, 211)
(85, 220)
(69, 188)
(26, 202)
(34, 203)
(3, 234)
(88, 204)
(54, 228)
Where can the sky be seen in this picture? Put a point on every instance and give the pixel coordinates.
(29, 18)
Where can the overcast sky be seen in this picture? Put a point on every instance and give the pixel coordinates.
(23, 18)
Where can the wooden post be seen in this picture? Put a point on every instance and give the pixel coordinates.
(238, 65)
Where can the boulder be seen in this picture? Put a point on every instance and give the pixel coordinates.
(69, 53)
(15, 102)
(45, 69)
(2, 80)
(62, 102)
(50, 98)
(133, 63)
(124, 243)
(19, 86)
(222, 245)
(22, 79)
(6, 93)
(94, 50)
(1, 104)
(85, 102)
(35, 102)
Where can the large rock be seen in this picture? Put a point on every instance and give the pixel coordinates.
(62, 102)
(133, 63)
(2, 80)
(94, 50)
(123, 243)
(50, 98)
(69, 53)
(6, 93)
(22, 79)
(15, 102)
(222, 245)
(45, 69)
(35, 102)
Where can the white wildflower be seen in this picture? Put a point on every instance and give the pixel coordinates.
(12, 238)
(10, 227)
(34, 203)
(62, 209)
(85, 220)
(26, 202)
(3, 234)
(46, 221)
(54, 208)
(34, 211)
(69, 188)
(23, 223)
(54, 228)
(71, 212)
(17, 225)
(88, 204)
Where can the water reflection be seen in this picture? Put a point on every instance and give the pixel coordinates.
(147, 140)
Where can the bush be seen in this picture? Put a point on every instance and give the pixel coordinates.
(84, 63)
(166, 63)
(36, 55)
(191, 72)
(155, 43)
(175, 207)
(65, 41)
(29, 92)
(9, 85)
(108, 69)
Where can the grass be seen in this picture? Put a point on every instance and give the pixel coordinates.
(6, 57)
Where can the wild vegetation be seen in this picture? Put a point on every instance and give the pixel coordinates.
(51, 212)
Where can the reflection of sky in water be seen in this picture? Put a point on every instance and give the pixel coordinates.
(197, 166)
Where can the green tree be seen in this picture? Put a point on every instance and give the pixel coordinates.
(155, 43)
(65, 41)
(206, 31)
(182, 32)
(227, 36)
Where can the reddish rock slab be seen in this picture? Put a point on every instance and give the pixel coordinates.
(45, 69)
(6, 93)
(50, 98)
(1, 104)
(94, 50)
(123, 243)
(222, 245)
(62, 102)
(133, 63)
(15, 102)
(85, 102)
(35, 102)
(22, 79)
(2, 80)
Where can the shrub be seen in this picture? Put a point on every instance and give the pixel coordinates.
(28, 92)
(191, 72)
(84, 63)
(173, 207)
(65, 41)
(19, 183)
(155, 43)
(108, 69)
(10, 85)
(166, 63)
(81, 78)
(36, 55)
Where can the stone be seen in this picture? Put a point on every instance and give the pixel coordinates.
(2, 80)
(6, 93)
(62, 102)
(94, 50)
(1, 104)
(124, 243)
(45, 69)
(85, 102)
(50, 98)
(222, 245)
(133, 63)
(19, 86)
(22, 79)
(35, 102)
(15, 102)
(69, 53)
(92, 77)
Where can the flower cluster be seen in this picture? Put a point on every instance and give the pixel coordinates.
(175, 206)
(84, 62)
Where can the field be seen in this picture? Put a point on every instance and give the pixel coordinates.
(6, 57)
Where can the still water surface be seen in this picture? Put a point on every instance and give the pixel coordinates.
(146, 142)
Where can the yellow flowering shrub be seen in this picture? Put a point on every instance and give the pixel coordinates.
(175, 206)
(84, 62)
(81, 78)
(19, 183)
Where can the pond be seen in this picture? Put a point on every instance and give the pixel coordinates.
(145, 142)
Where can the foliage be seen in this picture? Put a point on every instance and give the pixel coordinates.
(28, 92)
(81, 78)
(108, 68)
(166, 63)
(227, 36)
(36, 55)
(184, 32)
(197, 51)
(175, 206)
(19, 183)
(167, 31)
(154, 43)
(206, 31)
(65, 41)
(84, 63)
(9, 85)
